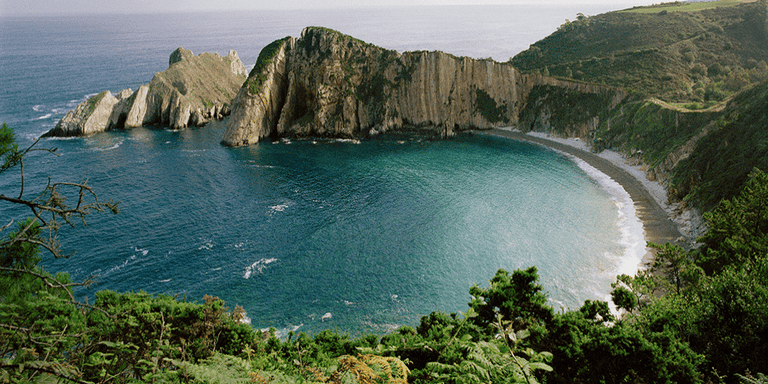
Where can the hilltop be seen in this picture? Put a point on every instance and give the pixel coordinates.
(695, 72)
(691, 53)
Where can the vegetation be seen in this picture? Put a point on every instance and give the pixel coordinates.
(696, 107)
(488, 108)
(722, 161)
(680, 6)
(696, 316)
(697, 55)
(569, 111)
(258, 74)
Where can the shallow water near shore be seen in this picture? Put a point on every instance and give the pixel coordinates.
(358, 236)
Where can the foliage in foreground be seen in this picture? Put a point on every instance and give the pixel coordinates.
(694, 317)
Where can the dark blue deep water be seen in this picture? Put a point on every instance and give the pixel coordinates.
(311, 234)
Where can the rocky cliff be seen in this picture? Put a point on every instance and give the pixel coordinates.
(191, 92)
(329, 84)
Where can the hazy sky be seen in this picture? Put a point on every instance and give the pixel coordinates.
(51, 7)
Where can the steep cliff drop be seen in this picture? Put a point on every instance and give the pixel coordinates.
(330, 84)
(192, 91)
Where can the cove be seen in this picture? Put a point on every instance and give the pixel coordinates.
(358, 236)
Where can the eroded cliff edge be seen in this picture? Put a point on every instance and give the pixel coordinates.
(326, 83)
(191, 92)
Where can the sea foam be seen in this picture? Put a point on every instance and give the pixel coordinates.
(631, 228)
(258, 266)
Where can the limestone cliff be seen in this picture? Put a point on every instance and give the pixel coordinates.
(329, 84)
(192, 91)
(89, 117)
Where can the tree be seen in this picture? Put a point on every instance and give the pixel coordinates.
(40, 319)
(632, 293)
(676, 266)
(738, 228)
(517, 298)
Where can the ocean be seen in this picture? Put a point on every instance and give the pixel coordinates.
(357, 236)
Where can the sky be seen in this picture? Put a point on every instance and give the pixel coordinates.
(62, 7)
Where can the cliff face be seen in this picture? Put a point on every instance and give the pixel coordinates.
(329, 84)
(90, 117)
(192, 91)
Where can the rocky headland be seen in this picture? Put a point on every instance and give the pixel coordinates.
(329, 84)
(191, 92)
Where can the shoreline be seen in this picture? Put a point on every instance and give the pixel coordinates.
(658, 225)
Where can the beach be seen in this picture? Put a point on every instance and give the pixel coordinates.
(648, 197)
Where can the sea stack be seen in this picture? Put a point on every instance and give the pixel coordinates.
(191, 92)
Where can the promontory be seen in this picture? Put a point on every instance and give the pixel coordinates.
(326, 83)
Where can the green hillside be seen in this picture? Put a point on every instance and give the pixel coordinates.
(722, 161)
(701, 52)
(696, 74)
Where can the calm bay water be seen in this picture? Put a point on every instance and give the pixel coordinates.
(357, 236)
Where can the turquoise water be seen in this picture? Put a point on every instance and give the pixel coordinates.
(360, 236)
(376, 233)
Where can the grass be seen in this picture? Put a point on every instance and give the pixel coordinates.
(663, 55)
(93, 102)
(680, 6)
(723, 159)
(258, 75)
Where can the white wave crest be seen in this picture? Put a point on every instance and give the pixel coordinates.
(245, 319)
(121, 266)
(352, 141)
(278, 208)
(258, 266)
(46, 116)
(115, 146)
(283, 332)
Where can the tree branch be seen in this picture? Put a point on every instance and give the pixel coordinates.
(57, 284)
(45, 369)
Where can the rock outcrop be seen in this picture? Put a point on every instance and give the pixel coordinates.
(329, 84)
(90, 117)
(191, 92)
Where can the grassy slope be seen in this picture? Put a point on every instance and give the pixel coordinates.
(662, 54)
(723, 159)
(680, 6)
(674, 58)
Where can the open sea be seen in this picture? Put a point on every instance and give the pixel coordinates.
(357, 236)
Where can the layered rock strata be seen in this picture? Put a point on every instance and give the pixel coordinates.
(191, 92)
(329, 84)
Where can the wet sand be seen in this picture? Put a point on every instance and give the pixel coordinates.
(656, 223)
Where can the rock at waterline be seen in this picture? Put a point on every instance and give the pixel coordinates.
(191, 92)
